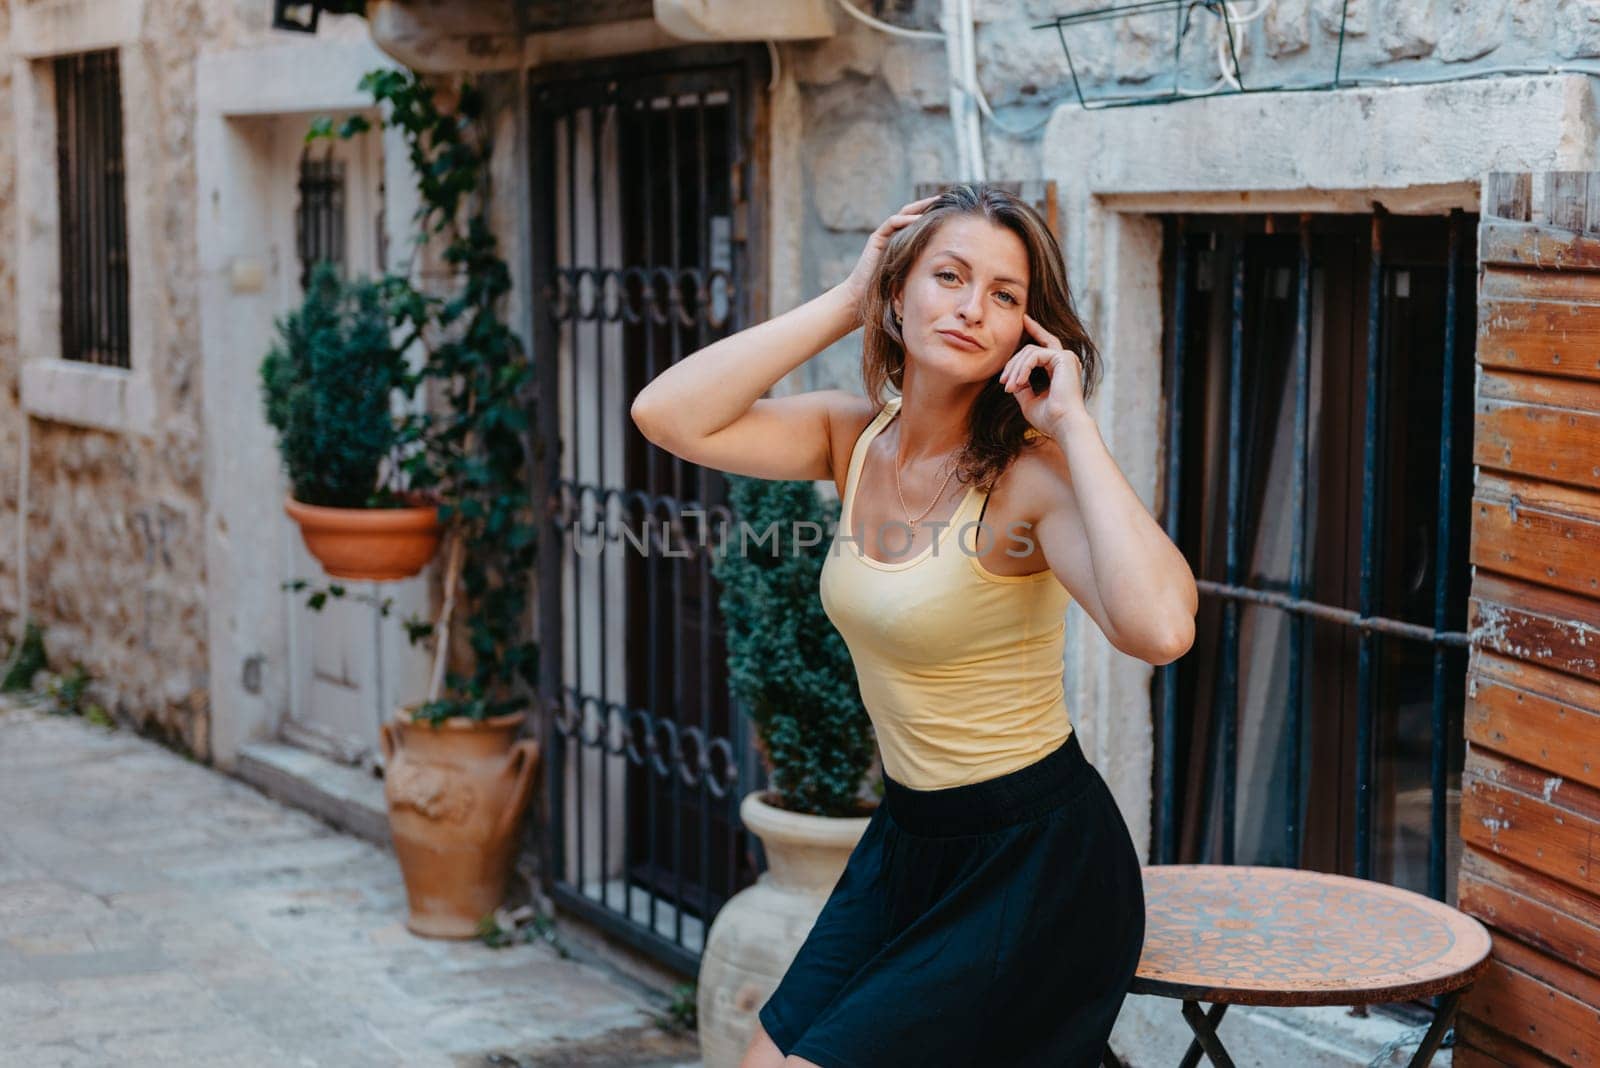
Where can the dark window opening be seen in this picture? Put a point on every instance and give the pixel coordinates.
(93, 214)
(1300, 730)
(319, 219)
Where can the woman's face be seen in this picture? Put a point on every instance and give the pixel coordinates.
(963, 300)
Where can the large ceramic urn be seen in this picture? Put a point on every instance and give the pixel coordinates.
(456, 793)
(758, 932)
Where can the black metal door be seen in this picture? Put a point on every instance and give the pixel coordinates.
(641, 176)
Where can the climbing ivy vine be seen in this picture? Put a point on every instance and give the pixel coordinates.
(476, 450)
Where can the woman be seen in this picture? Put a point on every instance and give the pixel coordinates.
(992, 913)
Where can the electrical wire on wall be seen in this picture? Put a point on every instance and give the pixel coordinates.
(965, 92)
(1230, 81)
(956, 15)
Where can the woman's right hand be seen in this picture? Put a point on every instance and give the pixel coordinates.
(855, 286)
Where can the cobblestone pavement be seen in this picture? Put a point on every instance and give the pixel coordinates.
(154, 911)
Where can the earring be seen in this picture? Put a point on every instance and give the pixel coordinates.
(897, 319)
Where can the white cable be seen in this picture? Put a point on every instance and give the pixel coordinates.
(959, 80)
(772, 53)
(898, 31)
(1229, 75)
(1004, 127)
(960, 101)
(969, 83)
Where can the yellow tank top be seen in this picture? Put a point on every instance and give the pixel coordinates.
(960, 669)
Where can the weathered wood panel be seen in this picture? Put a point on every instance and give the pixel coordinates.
(1511, 244)
(1538, 820)
(1533, 531)
(1534, 715)
(1500, 283)
(1544, 913)
(1539, 427)
(1544, 336)
(1541, 1002)
(1480, 1046)
(1530, 810)
(1535, 623)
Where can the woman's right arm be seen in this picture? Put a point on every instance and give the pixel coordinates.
(709, 408)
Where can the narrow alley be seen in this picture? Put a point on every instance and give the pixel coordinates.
(156, 912)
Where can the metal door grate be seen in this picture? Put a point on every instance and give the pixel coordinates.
(639, 188)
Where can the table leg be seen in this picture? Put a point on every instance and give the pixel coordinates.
(1192, 1057)
(1442, 1019)
(1204, 1027)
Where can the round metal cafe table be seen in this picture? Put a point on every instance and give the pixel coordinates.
(1236, 935)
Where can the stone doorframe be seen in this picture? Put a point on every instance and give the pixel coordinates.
(1414, 150)
(241, 263)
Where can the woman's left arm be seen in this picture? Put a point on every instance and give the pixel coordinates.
(1094, 530)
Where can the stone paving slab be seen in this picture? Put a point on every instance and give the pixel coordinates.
(154, 911)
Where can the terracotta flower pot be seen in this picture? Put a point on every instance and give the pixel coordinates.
(371, 544)
(758, 932)
(456, 794)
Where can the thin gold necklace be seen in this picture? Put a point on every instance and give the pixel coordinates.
(937, 493)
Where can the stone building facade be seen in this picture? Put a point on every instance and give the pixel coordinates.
(853, 117)
(103, 489)
(140, 507)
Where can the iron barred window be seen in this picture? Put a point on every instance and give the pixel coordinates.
(1318, 477)
(319, 219)
(93, 214)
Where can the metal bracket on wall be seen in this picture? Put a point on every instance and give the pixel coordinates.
(1182, 13)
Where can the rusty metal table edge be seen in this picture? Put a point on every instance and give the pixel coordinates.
(1292, 998)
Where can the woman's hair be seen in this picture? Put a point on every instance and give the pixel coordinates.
(997, 427)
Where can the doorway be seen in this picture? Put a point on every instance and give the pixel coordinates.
(643, 180)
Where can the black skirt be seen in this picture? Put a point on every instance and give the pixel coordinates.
(994, 923)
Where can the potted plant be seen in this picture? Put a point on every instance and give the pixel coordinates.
(334, 387)
(792, 672)
(457, 776)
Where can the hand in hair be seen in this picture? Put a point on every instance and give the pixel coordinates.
(861, 275)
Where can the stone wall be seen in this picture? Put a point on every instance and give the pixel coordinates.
(115, 552)
(874, 109)
(10, 395)
(114, 540)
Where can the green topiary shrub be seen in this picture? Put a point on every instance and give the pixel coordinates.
(786, 661)
(330, 387)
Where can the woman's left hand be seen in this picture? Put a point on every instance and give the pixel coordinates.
(1049, 410)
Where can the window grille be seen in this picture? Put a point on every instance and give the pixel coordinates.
(1319, 385)
(319, 219)
(93, 211)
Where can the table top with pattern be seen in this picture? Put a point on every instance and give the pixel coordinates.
(1278, 936)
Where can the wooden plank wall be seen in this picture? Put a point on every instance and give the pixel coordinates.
(1530, 809)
